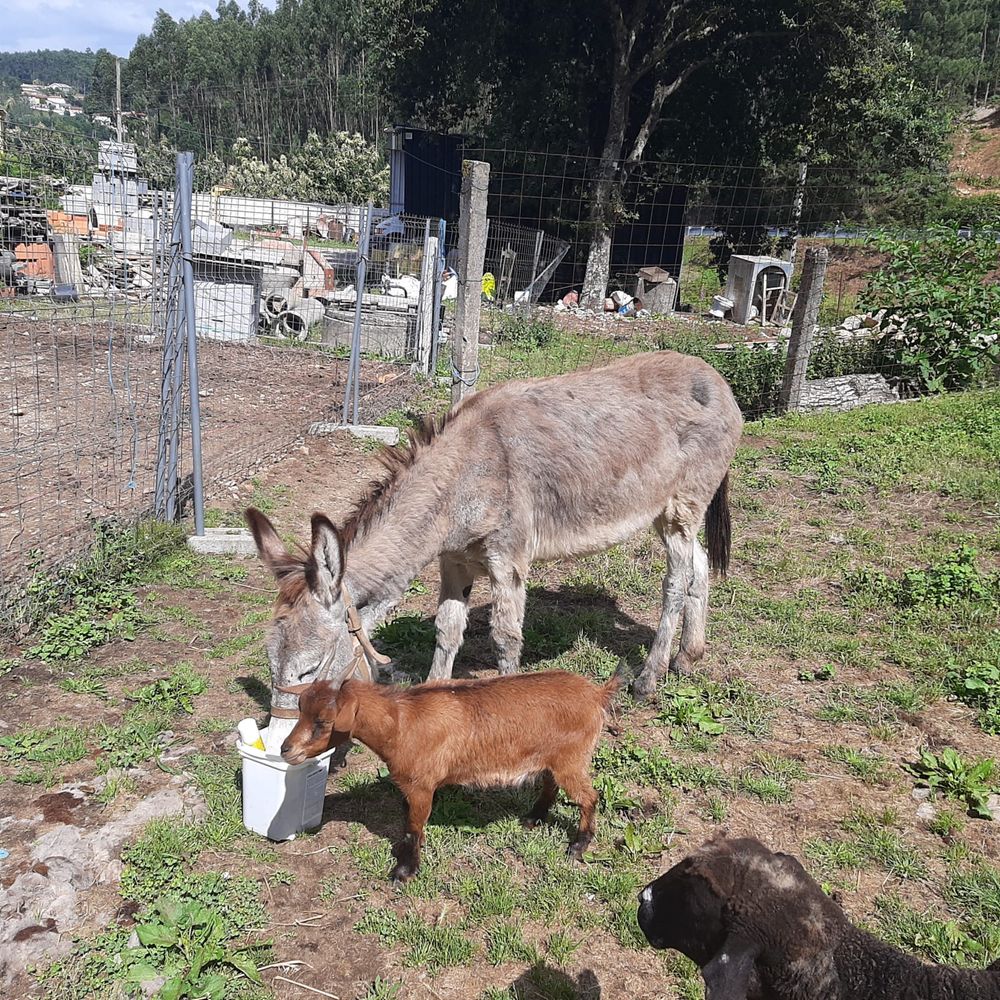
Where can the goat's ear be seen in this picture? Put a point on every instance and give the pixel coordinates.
(328, 560)
(728, 975)
(296, 689)
(270, 547)
(347, 712)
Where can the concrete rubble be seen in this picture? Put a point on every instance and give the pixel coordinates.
(42, 907)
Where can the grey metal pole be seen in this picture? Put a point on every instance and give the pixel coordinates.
(175, 360)
(185, 176)
(438, 291)
(354, 367)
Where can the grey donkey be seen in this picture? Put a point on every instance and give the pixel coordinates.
(543, 468)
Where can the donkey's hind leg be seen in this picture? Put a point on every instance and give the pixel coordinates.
(452, 614)
(680, 558)
(692, 646)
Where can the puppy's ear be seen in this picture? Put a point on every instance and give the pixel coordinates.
(729, 974)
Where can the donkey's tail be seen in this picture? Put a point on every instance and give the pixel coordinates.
(718, 528)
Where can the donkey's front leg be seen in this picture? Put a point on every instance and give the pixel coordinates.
(507, 615)
(680, 554)
(452, 615)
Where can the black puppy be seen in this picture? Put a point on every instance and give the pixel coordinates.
(760, 928)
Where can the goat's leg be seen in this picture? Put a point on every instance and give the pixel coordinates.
(675, 587)
(580, 789)
(452, 614)
(692, 646)
(407, 852)
(507, 616)
(540, 810)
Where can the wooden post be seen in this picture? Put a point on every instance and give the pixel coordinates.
(471, 257)
(804, 317)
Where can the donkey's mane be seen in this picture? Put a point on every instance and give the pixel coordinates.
(396, 460)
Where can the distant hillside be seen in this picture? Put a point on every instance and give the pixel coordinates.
(48, 66)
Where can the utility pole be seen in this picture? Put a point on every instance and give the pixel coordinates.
(118, 97)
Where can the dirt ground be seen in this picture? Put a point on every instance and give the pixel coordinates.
(80, 410)
(316, 889)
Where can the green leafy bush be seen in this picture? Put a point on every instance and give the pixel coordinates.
(972, 782)
(978, 685)
(941, 328)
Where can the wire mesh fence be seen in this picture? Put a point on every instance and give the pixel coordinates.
(88, 247)
(706, 258)
(306, 313)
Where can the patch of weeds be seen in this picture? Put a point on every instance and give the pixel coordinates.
(383, 989)
(559, 946)
(869, 767)
(505, 943)
(770, 777)
(717, 808)
(978, 685)
(971, 782)
(188, 945)
(95, 618)
(116, 783)
(408, 639)
(172, 694)
(976, 889)
(53, 746)
(435, 947)
(232, 646)
(949, 581)
(85, 684)
(7, 664)
(946, 942)
(828, 672)
(213, 727)
(694, 707)
(136, 740)
(946, 824)
(877, 842)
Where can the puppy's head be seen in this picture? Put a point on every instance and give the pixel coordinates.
(722, 905)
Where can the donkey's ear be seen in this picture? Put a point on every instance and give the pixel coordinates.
(272, 550)
(328, 560)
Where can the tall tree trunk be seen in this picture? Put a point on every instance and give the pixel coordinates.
(602, 192)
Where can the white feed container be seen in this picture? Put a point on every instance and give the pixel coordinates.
(280, 799)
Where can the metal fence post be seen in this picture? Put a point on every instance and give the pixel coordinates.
(354, 367)
(472, 228)
(438, 292)
(804, 317)
(185, 186)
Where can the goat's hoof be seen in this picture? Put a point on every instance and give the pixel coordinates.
(402, 874)
(532, 822)
(578, 849)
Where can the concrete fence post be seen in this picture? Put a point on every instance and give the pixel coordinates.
(804, 318)
(471, 257)
(425, 307)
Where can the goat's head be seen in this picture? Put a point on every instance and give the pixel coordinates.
(326, 719)
(731, 905)
(309, 638)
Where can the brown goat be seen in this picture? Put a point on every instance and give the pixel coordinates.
(498, 731)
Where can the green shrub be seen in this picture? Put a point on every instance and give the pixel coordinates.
(942, 324)
(523, 330)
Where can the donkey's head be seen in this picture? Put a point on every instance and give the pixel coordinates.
(309, 638)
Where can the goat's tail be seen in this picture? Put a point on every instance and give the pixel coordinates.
(621, 677)
(718, 528)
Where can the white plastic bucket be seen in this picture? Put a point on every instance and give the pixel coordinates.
(280, 799)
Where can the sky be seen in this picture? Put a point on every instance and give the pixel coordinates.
(82, 24)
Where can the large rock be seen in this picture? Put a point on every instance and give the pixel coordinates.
(845, 392)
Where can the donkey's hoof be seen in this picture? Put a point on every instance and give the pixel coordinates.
(644, 686)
